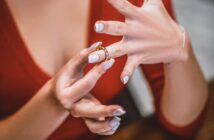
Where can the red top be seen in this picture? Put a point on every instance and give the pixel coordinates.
(21, 78)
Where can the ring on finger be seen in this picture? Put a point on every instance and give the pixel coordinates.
(107, 56)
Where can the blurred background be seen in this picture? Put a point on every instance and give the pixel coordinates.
(197, 16)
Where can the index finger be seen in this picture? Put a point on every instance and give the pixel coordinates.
(78, 90)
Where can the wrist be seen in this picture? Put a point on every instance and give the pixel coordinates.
(52, 98)
(182, 47)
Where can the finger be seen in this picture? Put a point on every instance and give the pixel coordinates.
(103, 126)
(83, 108)
(80, 60)
(128, 69)
(93, 99)
(74, 68)
(115, 28)
(114, 50)
(79, 89)
(125, 8)
(110, 132)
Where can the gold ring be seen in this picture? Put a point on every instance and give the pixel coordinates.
(107, 56)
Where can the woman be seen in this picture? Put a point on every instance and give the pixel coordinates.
(46, 34)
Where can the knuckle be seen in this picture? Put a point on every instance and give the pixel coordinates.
(74, 113)
(81, 56)
(106, 112)
(64, 101)
(123, 43)
(119, 50)
(83, 53)
(83, 100)
(122, 5)
(99, 72)
(120, 29)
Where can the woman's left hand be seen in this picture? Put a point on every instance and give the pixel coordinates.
(149, 36)
(100, 119)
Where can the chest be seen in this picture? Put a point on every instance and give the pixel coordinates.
(52, 31)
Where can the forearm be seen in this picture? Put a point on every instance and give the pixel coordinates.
(36, 120)
(185, 91)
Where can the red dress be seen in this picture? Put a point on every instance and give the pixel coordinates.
(21, 78)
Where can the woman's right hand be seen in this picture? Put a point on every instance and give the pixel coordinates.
(71, 90)
(70, 84)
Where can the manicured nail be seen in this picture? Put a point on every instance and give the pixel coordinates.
(94, 46)
(114, 122)
(108, 64)
(99, 27)
(116, 127)
(119, 112)
(93, 58)
(125, 80)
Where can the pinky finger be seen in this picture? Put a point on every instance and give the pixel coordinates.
(128, 70)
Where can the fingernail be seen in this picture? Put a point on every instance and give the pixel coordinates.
(116, 127)
(99, 27)
(108, 64)
(94, 46)
(119, 112)
(93, 58)
(125, 80)
(114, 122)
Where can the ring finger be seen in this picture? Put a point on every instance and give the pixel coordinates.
(114, 50)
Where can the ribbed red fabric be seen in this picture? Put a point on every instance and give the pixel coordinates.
(21, 78)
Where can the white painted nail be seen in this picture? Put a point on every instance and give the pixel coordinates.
(108, 64)
(125, 80)
(114, 122)
(93, 58)
(99, 27)
(116, 127)
(94, 46)
(119, 112)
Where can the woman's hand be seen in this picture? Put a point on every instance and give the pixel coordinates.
(71, 90)
(100, 119)
(66, 93)
(70, 84)
(149, 36)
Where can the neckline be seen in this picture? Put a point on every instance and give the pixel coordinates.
(23, 46)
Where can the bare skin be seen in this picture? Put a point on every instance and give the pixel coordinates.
(150, 36)
(67, 93)
(42, 25)
(181, 102)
